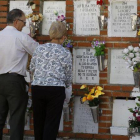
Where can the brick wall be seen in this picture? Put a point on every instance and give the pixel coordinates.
(111, 91)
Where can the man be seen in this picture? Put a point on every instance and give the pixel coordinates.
(14, 49)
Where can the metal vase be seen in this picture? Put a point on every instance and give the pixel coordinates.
(66, 113)
(100, 60)
(95, 113)
(32, 29)
(101, 20)
(136, 79)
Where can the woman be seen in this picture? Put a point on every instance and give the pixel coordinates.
(52, 67)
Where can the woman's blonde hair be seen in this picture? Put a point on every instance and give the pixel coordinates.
(57, 30)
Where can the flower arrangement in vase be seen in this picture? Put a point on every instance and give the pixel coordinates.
(62, 18)
(91, 98)
(134, 121)
(68, 44)
(131, 55)
(34, 21)
(99, 47)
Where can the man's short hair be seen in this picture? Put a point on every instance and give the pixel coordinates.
(57, 30)
(13, 15)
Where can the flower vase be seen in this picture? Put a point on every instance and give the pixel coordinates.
(95, 113)
(136, 76)
(100, 60)
(32, 29)
(138, 129)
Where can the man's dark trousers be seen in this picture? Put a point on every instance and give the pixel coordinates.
(13, 98)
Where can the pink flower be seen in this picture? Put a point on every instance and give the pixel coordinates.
(134, 114)
(61, 18)
(138, 118)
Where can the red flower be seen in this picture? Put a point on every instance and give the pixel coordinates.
(134, 114)
(138, 118)
(99, 2)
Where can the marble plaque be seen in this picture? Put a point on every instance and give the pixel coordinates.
(22, 5)
(85, 66)
(120, 108)
(48, 13)
(119, 23)
(119, 74)
(86, 17)
(83, 121)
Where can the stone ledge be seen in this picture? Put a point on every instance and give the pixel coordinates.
(6, 137)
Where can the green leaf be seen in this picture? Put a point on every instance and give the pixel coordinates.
(135, 69)
(138, 104)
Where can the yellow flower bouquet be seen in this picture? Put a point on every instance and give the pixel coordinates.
(91, 97)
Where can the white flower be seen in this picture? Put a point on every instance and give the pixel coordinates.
(55, 12)
(126, 58)
(137, 115)
(134, 63)
(136, 49)
(133, 59)
(137, 54)
(137, 59)
(125, 51)
(132, 68)
(40, 15)
(131, 55)
(130, 48)
(130, 62)
(33, 6)
(36, 17)
(137, 100)
(130, 118)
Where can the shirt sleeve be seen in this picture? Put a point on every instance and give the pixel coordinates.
(69, 71)
(28, 44)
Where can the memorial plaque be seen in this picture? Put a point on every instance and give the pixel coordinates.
(119, 23)
(85, 66)
(119, 74)
(120, 106)
(86, 17)
(22, 5)
(48, 13)
(83, 121)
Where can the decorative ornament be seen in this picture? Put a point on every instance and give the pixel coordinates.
(100, 2)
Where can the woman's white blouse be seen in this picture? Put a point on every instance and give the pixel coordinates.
(52, 65)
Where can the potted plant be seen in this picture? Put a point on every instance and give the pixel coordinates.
(131, 55)
(91, 98)
(134, 121)
(99, 47)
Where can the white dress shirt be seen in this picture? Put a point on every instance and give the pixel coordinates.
(14, 49)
